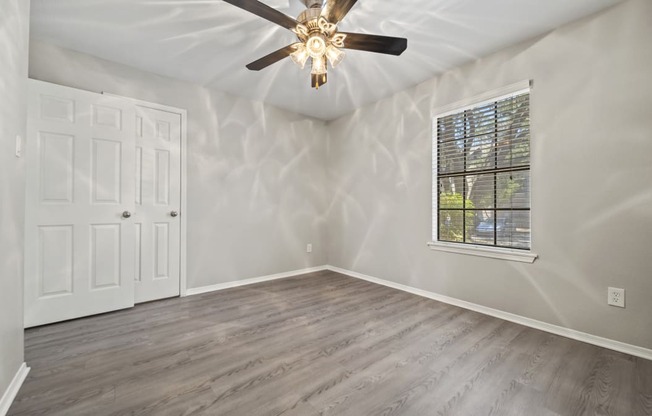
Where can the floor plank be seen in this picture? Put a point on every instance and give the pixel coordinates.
(320, 344)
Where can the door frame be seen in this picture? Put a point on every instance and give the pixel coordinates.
(184, 123)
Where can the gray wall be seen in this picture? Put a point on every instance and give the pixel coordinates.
(591, 121)
(256, 174)
(14, 29)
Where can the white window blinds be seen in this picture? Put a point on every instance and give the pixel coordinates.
(481, 160)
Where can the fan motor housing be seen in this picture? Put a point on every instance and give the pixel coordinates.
(312, 3)
(308, 15)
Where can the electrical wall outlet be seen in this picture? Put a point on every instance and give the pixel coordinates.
(616, 297)
(308, 248)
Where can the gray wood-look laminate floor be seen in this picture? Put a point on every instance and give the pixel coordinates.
(320, 344)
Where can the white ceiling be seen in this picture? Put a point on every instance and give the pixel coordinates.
(209, 42)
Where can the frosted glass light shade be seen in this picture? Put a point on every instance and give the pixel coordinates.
(318, 66)
(300, 55)
(334, 55)
(316, 46)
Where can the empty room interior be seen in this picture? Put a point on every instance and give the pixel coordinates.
(325, 207)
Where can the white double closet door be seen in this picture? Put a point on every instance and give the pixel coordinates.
(102, 226)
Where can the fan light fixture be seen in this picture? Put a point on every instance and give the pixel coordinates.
(320, 42)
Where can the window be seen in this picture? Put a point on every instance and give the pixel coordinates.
(481, 174)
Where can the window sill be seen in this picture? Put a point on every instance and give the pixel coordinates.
(491, 252)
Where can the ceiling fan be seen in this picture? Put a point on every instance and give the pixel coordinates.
(319, 39)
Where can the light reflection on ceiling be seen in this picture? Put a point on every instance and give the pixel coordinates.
(209, 42)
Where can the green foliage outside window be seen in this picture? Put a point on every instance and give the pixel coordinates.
(450, 221)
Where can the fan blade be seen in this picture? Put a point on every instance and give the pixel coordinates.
(266, 12)
(272, 58)
(335, 10)
(375, 43)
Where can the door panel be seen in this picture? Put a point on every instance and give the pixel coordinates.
(107, 116)
(55, 260)
(56, 160)
(105, 256)
(157, 195)
(161, 250)
(107, 171)
(79, 250)
(57, 108)
(162, 177)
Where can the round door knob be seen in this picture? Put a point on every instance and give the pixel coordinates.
(126, 214)
(174, 214)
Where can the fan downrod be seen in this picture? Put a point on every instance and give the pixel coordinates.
(312, 4)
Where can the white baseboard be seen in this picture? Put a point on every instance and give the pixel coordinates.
(11, 392)
(236, 283)
(532, 323)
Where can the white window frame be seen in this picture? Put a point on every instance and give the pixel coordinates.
(525, 256)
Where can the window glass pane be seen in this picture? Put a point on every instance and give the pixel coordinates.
(512, 119)
(480, 152)
(481, 121)
(450, 226)
(451, 128)
(482, 231)
(513, 148)
(450, 156)
(450, 192)
(480, 191)
(513, 229)
(513, 189)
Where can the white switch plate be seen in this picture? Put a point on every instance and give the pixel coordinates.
(616, 297)
(19, 146)
(308, 248)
